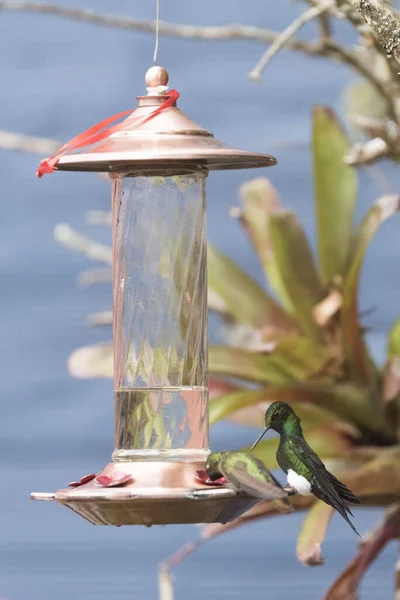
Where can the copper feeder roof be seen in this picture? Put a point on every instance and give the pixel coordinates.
(160, 491)
(169, 138)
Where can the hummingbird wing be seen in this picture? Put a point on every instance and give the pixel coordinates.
(324, 485)
(322, 475)
(250, 475)
(343, 490)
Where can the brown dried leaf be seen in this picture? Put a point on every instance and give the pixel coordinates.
(391, 379)
(397, 581)
(261, 510)
(378, 477)
(312, 534)
(346, 585)
(324, 310)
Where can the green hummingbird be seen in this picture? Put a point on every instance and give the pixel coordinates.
(305, 471)
(246, 473)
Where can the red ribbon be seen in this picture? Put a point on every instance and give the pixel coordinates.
(95, 134)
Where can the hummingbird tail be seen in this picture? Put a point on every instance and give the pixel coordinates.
(340, 507)
(343, 491)
(346, 518)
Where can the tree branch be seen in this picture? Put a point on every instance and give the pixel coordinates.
(287, 34)
(99, 217)
(27, 143)
(101, 318)
(223, 32)
(95, 276)
(384, 24)
(325, 27)
(64, 234)
(332, 49)
(367, 153)
(10, 140)
(165, 580)
(377, 24)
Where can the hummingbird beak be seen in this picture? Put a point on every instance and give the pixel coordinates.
(260, 438)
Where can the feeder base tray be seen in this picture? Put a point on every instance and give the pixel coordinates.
(158, 493)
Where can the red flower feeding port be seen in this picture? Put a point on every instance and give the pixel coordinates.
(158, 161)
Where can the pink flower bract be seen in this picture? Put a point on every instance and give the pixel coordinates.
(114, 480)
(82, 481)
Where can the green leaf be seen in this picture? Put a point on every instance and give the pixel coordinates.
(224, 406)
(255, 402)
(295, 263)
(312, 534)
(311, 416)
(302, 357)
(259, 201)
(393, 349)
(293, 358)
(391, 373)
(242, 296)
(347, 402)
(246, 365)
(361, 367)
(335, 193)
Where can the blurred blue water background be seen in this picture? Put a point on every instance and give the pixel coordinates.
(57, 78)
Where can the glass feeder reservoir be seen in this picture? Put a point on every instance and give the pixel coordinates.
(158, 171)
(160, 307)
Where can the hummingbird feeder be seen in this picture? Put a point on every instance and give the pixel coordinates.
(158, 161)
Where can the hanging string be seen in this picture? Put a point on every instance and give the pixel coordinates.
(157, 31)
(104, 129)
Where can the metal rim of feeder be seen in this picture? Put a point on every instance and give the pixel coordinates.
(171, 138)
(160, 491)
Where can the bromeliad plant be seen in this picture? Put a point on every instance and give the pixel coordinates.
(308, 348)
(306, 345)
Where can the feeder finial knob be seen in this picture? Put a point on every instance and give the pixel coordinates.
(156, 76)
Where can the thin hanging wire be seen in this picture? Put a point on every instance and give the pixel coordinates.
(157, 31)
